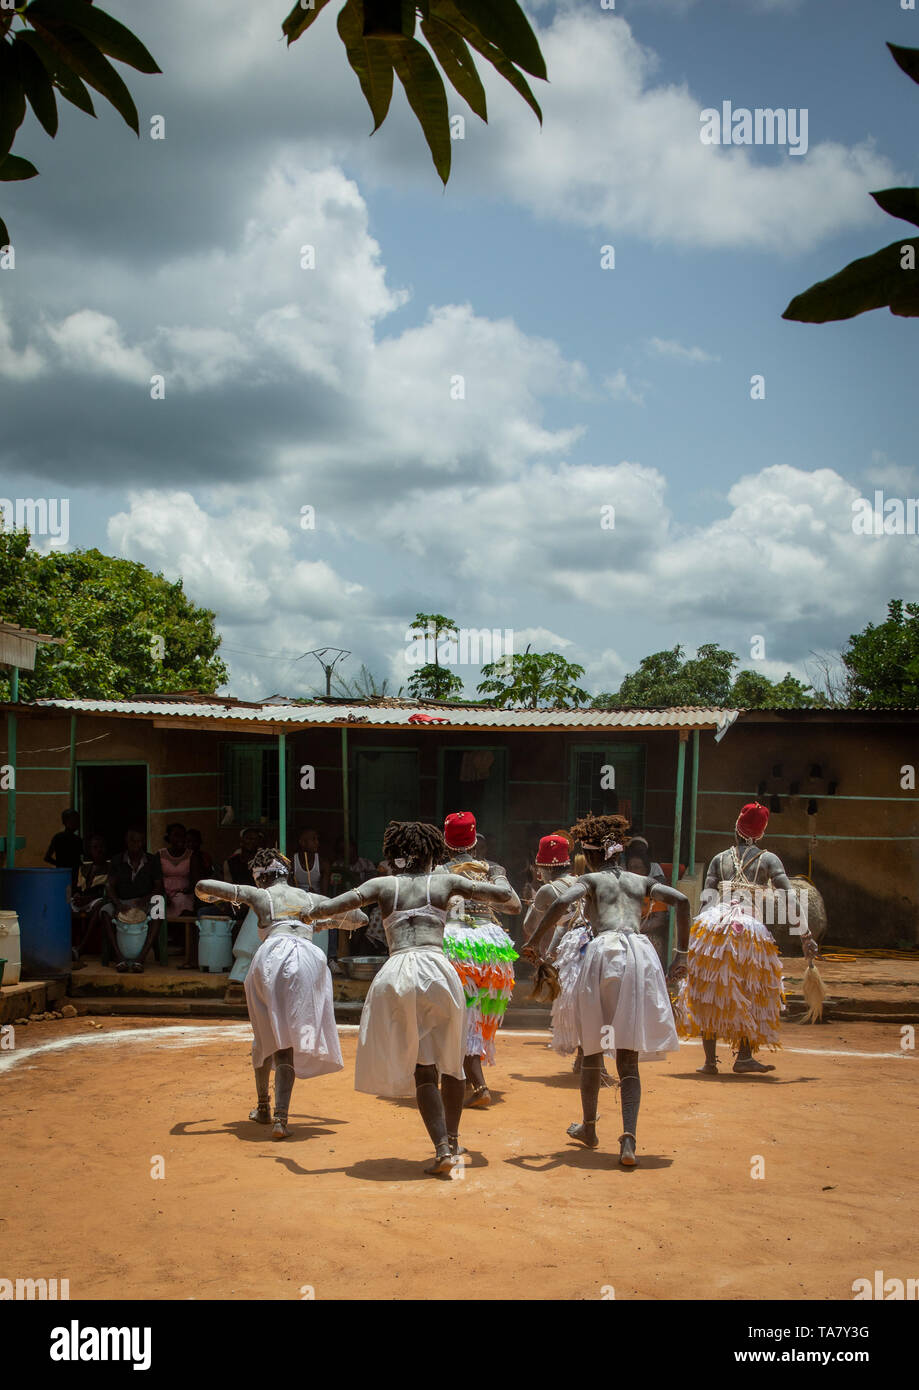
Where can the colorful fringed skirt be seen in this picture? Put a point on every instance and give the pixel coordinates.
(483, 956)
(733, 988)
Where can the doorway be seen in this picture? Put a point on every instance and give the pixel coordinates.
(387, 789)
(112, 797)
(475, 779)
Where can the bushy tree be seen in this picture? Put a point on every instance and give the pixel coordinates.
(883, 660)
(126, 631)
(432, 681)
(665, 679)
(532, 679)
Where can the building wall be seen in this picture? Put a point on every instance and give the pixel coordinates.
(865, 857)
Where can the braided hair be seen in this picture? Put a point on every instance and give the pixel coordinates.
(269, 859)
(415, 842)
(593, 834)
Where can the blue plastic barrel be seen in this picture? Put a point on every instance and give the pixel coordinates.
(39, 899)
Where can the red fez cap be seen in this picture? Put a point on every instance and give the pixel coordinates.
(459, 830)
(553, 849)
(752, 821)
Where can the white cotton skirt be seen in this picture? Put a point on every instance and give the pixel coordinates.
(414, 1013)
(289, 994)
(621, 997)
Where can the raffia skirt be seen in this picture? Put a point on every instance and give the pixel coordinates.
(733, 987)
(483, 957)
(414, 1014)
(569, 960)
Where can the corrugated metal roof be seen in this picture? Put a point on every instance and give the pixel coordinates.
(404, 715)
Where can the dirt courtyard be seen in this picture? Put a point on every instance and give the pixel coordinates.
(342, 1209)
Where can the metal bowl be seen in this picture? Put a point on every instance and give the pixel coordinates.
(362, 967)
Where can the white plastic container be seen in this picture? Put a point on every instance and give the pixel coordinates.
(10, 947)
(131, 937)
(215, 945)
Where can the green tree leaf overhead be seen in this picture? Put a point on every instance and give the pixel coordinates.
(888, 278)
(380, 41)
(110, 613)
(60, 46)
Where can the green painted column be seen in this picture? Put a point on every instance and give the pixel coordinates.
(346, 829)
(282, 793)
(693, 801)
(11, 759)
(73, 760)
(677, 828)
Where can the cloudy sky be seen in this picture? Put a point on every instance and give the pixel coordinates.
(585, 388)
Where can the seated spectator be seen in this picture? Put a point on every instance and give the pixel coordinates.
(202, 865)
(175, 862)
(66, 848)
(135, 878)
(638, 860)
(236, 867)
(89, 894)
(311, 871)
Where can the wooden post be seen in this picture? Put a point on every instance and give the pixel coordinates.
(693, 801)
(282, 793)
(344, 794)
(11, 757)
(73, 761)
(677, 834)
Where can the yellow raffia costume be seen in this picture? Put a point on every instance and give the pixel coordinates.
(733, 987)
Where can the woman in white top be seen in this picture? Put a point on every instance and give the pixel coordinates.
(311, 874)
(414, 1018)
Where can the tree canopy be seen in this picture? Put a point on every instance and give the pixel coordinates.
(883, 661)
(533, 679)
(432, 681)
(126, 630)
(667, 679)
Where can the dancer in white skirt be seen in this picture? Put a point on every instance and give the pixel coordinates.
(288, 985)
(414, 1018)
(569, 940)
(621, 997)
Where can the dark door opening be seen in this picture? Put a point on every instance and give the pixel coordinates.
(113, 798)
(475, 779)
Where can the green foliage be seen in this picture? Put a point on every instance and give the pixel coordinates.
(883, 661)
(379, 39)
(109, 613)
(885, 278)
(666, 680)
(60, 47)
(434, 682)
(533, 679)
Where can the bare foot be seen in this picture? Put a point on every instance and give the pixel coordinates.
(480, 1099)
(750, 1064)
(261, 1114)
(627, 1151)
(708, 1069)
(279, 1129)
(456, 1147)
(585, 1134)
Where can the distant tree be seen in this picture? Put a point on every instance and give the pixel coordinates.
(54, 48)
(379, 39)
(126, 630)
(432, 681)
(754, 691)
(890, 277)
(883, 660)
(665, 679)
(533, 679)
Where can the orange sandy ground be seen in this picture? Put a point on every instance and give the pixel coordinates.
(344, 1208)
